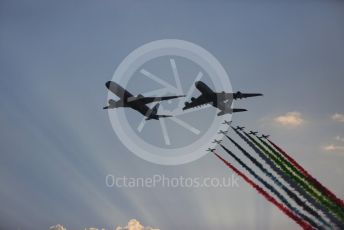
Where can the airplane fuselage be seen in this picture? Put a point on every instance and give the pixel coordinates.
(217, 99)
(221, 100)
(139, 107)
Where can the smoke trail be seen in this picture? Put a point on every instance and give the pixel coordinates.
(291, 194)
(302, 176)
(306, 186)
(271, 188)
(291, 183)
(267, 196)
(309, 177)
(333, 202)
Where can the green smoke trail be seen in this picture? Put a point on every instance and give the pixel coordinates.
(316, 183)
(319, 197)
(290, 193)
(266, 195)
(315, 203)
(303, 174)
(272, 189)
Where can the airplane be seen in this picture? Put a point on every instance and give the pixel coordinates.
(222, 132)
(239, 128)
(211, 150)
(217, 141)
(137, 103)
(253, 133)
(264, 136)
(222, 100)
(226, 122)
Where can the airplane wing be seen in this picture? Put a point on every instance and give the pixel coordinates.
(201, 100)
(239, 95)
(147, 100)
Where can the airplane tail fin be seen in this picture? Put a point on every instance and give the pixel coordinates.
(154, 114)
(155, 109)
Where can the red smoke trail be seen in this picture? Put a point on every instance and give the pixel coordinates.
(309, 177)
(273, 190)
(289, 192)
(267, 196)
(292, 183)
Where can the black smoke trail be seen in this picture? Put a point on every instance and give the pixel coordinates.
(290, 193)
(271, 188)
(266, 195)
(290, 182)
(309, 183)
(308, 175)
(332, 207)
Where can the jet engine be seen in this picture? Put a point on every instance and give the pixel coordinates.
(238, 95)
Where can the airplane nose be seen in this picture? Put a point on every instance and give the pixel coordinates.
(197, 83)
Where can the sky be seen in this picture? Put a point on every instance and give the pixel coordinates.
(57, 144)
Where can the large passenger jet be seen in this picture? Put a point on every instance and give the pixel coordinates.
(138, 103)
(222, 101)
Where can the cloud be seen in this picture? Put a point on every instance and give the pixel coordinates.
(290, 119)
(135, 225)
(338, 117)
(132, 225)
(57, 227)
(334, 148)
(60, 227)
(339, 138)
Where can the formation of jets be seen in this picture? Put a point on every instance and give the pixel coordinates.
(263, 136)
(222, 100)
